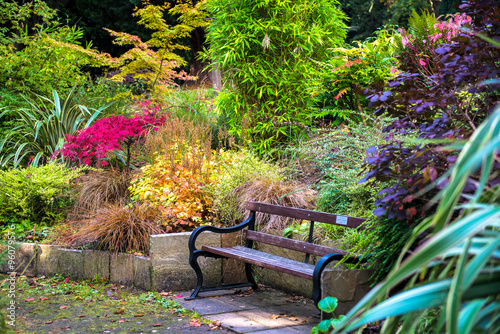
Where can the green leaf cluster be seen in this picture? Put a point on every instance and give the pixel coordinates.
(35, 195)
(41, 127)
(267, 51)
(37, 54)
(153, 61)
(351, 70)
(327, 305)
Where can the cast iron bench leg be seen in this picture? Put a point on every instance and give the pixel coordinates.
(250, 277)
(193, 261)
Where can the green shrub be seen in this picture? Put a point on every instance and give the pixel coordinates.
(352, 70)
(103, 91)
(37, 54)
(267, 51)
(235, 169)
(336, 157)
(35, 195)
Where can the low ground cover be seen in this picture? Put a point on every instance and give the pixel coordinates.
(61, 305)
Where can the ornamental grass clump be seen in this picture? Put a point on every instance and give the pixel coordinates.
(277, 191)
(102, 186)
(118, 228)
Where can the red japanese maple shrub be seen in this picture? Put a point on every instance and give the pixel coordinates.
(116, 134)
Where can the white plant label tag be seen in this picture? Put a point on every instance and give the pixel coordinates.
(341, 220)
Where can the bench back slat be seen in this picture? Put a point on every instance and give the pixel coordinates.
(296, 245)
(310, 215)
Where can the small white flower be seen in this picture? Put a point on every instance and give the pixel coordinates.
(266, 42)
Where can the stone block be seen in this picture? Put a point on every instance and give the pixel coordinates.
(96, 265)
(347, 285)
(142, 273)
(170, 261)
(121, 268)
(26, 259)
(47, 260)
(71, 263)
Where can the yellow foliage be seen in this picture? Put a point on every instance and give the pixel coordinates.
(178, 191)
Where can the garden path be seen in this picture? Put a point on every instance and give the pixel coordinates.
(266, 311)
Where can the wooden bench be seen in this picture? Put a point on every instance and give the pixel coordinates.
(252, 256)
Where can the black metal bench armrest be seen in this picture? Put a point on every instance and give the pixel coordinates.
(223, 230)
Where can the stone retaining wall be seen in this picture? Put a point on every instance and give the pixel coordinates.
(168, 267)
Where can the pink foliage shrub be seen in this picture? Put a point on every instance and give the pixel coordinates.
(91, 146)
(421, 53)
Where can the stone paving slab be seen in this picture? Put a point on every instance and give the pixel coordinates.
(266, 311)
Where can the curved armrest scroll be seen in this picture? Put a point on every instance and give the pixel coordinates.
(207, 228)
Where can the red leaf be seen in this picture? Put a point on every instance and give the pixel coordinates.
(408, 199)
(157, 325)
(29, 299)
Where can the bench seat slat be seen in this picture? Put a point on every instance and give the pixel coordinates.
(297, 245)
(264, 260)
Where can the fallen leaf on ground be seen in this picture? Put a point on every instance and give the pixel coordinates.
(121, 320)
(275, 316)
(44, 298)
(81, 315)
(119, 311)
(29, 299)
(62, 306)
(48, 322)
(156, 325)
(214, 326)
(293, 318)
(195, 322)
(138, 315)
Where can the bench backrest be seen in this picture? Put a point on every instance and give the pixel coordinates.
(308, 215)
(315, 216)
